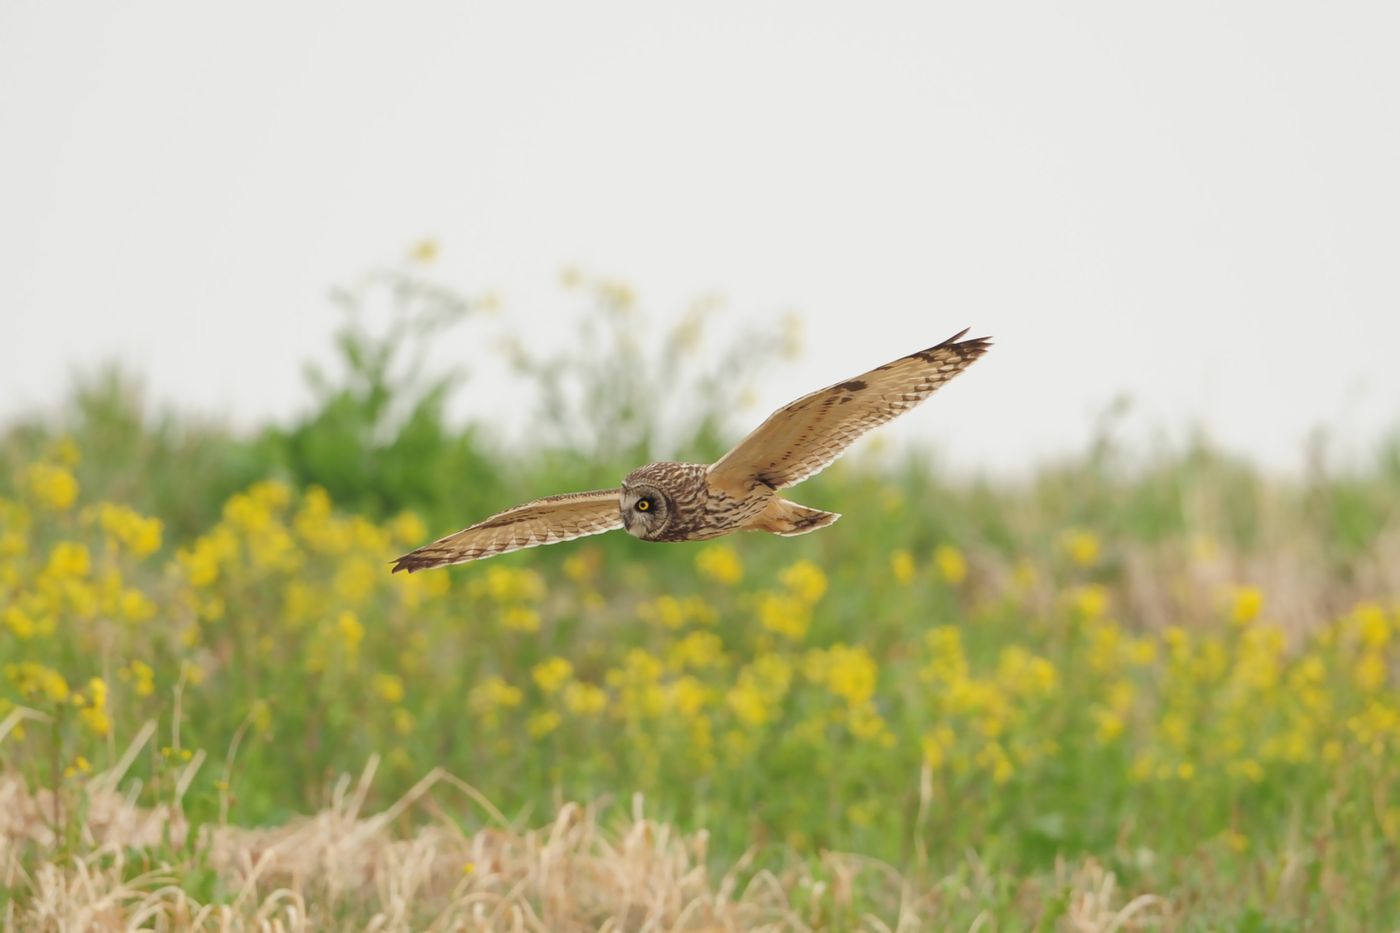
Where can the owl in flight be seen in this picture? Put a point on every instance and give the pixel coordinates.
(694, 501)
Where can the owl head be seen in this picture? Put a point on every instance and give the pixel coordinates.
(646, 510)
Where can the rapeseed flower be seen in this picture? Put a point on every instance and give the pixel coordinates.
(389, 687)
(550, 676)
(93, 708)
(520, 619)
(806, 581)
(542, 723)
(1245, 605)
(1371, 625)
(720, 563)
(583, 699)
(139, 535)
(696, 651)
(141, 677)
(902, 566)
(950, 563)
(33, 679)
(789, 616)
(52, 485)
(1081, 546)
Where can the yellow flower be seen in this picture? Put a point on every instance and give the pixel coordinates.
(1109, 724)
(902, 566)
(665, 609)
(542, 723)
(696, 650)
(1246, 604)
(585, 699)
(408, 528)
(1250, 769)
(551, 675)
(350, 629)
(143, 679)
(139, 535)
(760, 687)
(849, 673)
(748, 703)
(1142, 651)
(583, 565)
(65, 451)
(508, 585)
(520, 619)
(493, 693)
(355, 579)
(1024, 674)
(68, 559)
(994, 759)
(93, 712)
(786, 615)
(19, 622)
(686, 696)
(1370, 671)
(805, 581)
(1081, 545)
(1090, 602)
(52, 485)
(403, 721)
(192, 673)
(1372, 625)
(948, 664)
(389, 687)
(951, 563)
(34, 679)
(136, 606)
(720, 563)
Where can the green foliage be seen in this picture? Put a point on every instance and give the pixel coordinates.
(378, 437)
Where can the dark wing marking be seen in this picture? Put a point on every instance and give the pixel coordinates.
(804, 437)
(543, 521)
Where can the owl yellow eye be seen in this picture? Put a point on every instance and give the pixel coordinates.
(643, 505)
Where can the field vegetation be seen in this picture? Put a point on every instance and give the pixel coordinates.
(1120, 691)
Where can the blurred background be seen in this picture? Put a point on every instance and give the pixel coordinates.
(1107, 638)
(1191, 207)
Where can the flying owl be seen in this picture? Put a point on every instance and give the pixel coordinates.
(693, 501)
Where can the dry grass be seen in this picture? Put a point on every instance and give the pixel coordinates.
(341, 869)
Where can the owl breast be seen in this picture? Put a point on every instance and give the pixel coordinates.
(698, 510)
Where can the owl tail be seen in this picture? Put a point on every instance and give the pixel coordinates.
(788, 518)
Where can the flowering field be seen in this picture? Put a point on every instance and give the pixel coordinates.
(1112, 694)
(1219, 729)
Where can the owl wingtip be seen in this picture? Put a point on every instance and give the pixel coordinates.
(405, 563)
(977, 345)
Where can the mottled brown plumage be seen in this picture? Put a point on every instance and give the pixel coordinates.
(669, 501)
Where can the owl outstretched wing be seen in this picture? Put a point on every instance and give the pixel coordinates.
(805, 436)
(543, 521)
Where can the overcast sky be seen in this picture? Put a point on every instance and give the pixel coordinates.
(1194, 203)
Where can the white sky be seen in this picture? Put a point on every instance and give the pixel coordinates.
(1194, 203)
